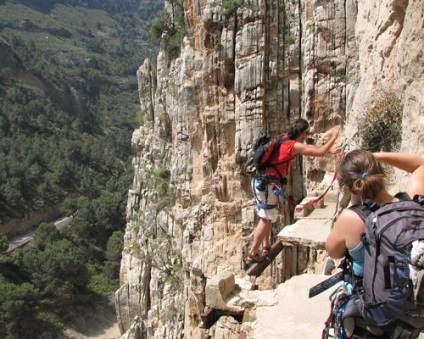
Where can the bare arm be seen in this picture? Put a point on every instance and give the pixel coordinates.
(345, 235)
(411, 163)
(404, 161)
(317, 151)
(335, 244)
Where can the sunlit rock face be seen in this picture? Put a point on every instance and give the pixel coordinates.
(190, 210)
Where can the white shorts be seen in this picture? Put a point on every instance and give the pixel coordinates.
(266, 200)
(268, 214)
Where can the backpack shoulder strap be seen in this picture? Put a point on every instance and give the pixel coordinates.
(261, 140)
(403, 196)
(368, 206)
(362, 210)
(419, 198)
(282, 138)
(365, 209)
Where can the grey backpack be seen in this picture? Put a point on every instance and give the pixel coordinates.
(388, 293)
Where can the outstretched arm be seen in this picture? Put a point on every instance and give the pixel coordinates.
(317, 151)
(411, 163)
(404, 161)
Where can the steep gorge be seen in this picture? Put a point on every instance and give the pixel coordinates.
(190, 211)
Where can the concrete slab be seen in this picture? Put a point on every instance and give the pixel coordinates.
(313, 229)
(307, 232)
(287, 312)
(290, 313)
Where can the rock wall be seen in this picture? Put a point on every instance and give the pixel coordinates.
(190, 211)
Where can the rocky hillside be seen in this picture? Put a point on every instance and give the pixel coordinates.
(243, 68)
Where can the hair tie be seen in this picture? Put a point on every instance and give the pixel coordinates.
(365, 174)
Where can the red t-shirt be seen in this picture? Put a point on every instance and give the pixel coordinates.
(285, 158)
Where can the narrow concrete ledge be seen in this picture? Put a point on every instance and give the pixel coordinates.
(304, 241)
(307, 232)
(287, 316)
(314, 226)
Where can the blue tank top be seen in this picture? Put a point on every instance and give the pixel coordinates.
(357, 255)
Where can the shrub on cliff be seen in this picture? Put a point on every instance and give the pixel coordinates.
(381, 126)
(170, 27)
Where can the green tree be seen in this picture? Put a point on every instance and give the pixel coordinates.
(20, 314)
(115, 245)
(80, 231)
(59, 271)
(4, 243)
(108, 209)
(46, 234)
(113, 254)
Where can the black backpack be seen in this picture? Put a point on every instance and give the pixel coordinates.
(264, 150)
(387, 294)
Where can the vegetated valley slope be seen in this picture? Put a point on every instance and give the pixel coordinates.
(68, 106)
(68, 96)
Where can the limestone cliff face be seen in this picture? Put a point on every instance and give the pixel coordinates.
(190, 211)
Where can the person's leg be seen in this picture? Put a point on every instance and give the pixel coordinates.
(266, 242)
(266, 207)
(261, 234)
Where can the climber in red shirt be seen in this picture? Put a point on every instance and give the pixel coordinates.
(268, 184)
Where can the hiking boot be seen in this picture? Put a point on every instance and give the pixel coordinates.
(252, 259)
(265, 253)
